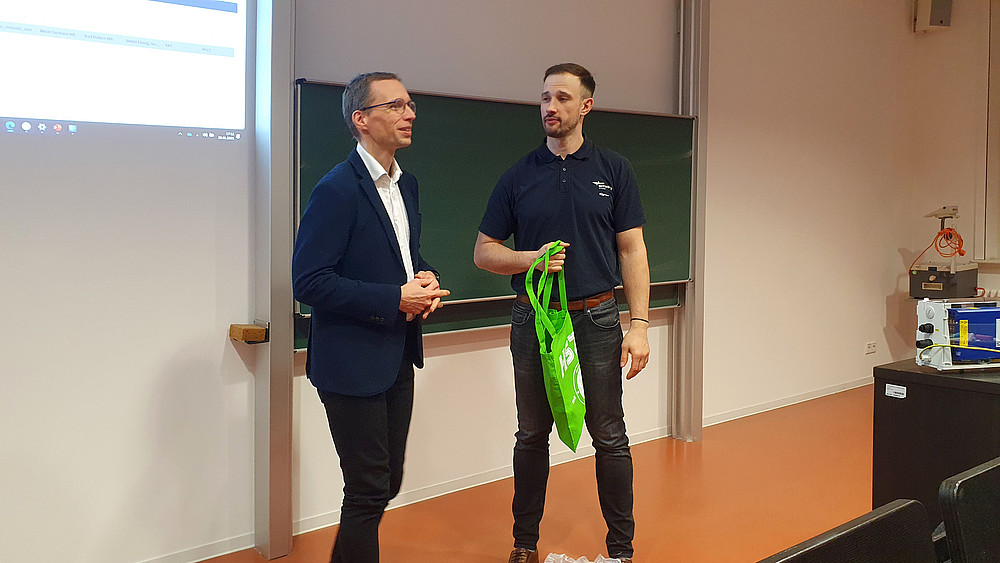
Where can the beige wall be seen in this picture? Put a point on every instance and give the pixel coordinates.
(496, 49)
(832, 130)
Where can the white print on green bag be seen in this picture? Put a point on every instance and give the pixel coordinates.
(579, 385)
(566, 360)
(567, 356)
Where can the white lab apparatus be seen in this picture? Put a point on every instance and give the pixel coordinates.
(958, 334)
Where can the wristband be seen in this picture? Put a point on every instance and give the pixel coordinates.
(639, 319)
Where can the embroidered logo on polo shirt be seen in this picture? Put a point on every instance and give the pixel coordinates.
(603, 189)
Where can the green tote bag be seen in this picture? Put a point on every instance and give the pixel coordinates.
(557, 344)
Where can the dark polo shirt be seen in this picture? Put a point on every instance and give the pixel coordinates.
(584, 199)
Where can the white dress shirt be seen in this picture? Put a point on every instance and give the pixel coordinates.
(388, 189)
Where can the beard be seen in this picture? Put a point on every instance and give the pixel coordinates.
(560, 129)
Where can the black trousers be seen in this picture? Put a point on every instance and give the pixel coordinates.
(598, 343)
(370, 436)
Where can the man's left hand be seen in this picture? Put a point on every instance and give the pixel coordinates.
(635, 344)
(429, 281)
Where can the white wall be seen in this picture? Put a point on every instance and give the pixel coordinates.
(126, 411)
(832, 130)
(464, 410)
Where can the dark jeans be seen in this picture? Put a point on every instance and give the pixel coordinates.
(370, 436)
(598, 341)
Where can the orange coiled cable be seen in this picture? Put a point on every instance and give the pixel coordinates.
(948, 243)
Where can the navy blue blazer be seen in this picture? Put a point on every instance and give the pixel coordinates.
(348, 268)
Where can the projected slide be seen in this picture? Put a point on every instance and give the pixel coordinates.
(145, 62)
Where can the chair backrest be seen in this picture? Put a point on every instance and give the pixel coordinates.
(895, 532)
(970, 504)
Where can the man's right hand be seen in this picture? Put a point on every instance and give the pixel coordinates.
(555, 261)
(415, 296)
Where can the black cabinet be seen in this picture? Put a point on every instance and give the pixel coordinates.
(928, 426)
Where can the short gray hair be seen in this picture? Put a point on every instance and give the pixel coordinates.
(358, 94)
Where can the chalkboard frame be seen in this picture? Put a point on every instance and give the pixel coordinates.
(485, 299)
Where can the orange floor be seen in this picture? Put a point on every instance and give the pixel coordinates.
(750, 488)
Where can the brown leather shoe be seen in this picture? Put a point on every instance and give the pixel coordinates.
(521, 555)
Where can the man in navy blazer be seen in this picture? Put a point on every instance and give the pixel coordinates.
(357, 263)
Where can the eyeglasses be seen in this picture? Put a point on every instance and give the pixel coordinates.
(396, 105)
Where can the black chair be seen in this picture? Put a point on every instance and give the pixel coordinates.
(970, 504)
(893, 533)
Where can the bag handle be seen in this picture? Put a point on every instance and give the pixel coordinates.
(545, 283)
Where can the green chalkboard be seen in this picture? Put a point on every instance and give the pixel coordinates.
(461, 147)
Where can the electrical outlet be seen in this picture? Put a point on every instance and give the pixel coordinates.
(870, 347)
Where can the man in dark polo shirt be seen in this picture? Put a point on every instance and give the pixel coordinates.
(572, 190)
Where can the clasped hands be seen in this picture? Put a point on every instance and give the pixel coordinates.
(421, 295)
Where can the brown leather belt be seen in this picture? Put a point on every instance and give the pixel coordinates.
(579, 304)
